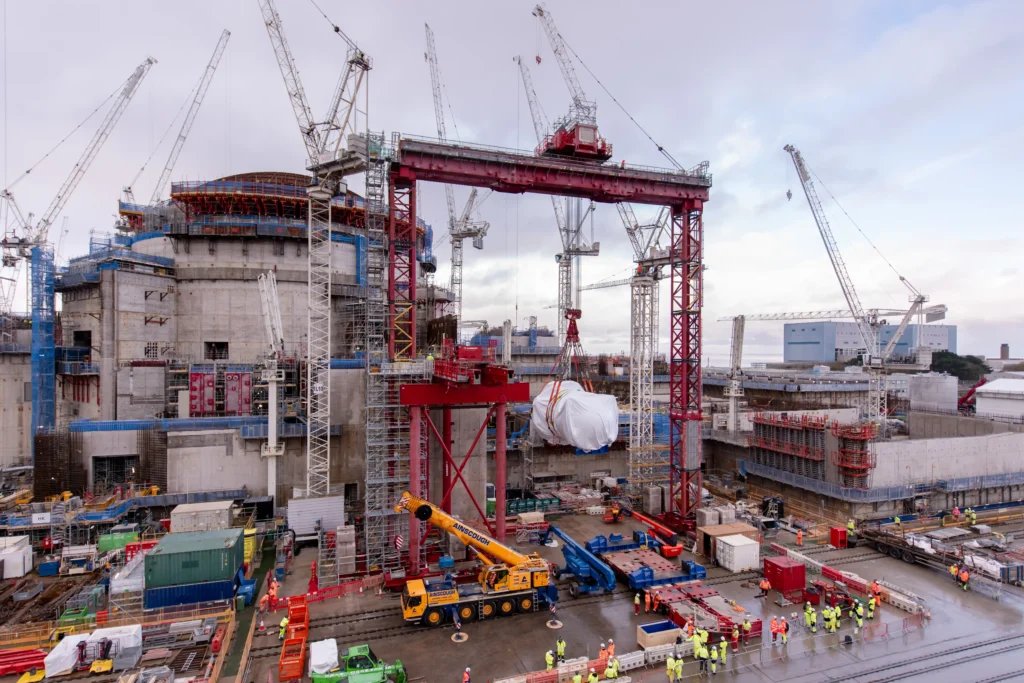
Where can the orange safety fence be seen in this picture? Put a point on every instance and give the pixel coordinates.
(913, 622)
(367, 583)
(875, 631)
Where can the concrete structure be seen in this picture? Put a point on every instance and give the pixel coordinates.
(933, 392)
(827, 341)
(1003, 397)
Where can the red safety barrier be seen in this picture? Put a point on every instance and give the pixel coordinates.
(779, 550)
(913, 622)
(875, 631)
(218, 638)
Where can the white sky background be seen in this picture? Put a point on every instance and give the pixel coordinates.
(910, 112)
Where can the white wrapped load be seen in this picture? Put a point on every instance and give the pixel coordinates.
(575, 417)
(323, 656)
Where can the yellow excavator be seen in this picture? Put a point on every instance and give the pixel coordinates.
(508, 581)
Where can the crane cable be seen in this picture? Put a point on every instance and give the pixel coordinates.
(73, 131)
(337, 29)
(661, 149)
(862, 233)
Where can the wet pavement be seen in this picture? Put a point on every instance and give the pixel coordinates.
(959, 622)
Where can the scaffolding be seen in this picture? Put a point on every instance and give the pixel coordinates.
(647, 466)
(44, 377)
(791, 444)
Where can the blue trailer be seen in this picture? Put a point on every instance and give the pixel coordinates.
(616, 543)
(589, 573)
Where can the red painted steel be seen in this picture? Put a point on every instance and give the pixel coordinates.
(687, 299)
(415, 422)
(446, 463)
(499, 472)
(517, 173)
(785, 574)
(468, 395)
(446, 498)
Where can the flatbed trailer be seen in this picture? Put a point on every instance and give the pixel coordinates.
(898, 548)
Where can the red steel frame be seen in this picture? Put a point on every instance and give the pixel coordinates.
(421, 398)
(513, 172)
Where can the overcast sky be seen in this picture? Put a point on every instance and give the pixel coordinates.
(912, 114)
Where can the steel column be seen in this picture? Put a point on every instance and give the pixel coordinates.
(415, 420)
(446, 463)
(458, 470)
(402, 268)
(500, 473)
(687, 297)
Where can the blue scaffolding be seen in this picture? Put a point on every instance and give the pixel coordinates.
(44, 377)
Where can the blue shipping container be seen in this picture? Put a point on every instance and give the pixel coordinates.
(172, 596)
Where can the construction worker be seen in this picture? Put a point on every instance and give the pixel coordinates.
(714, 660)
(655, 602)
(611, 647)
(974, 517)
(284, 627)
(577, 677)
(695, 638)
(765, 587)
(647, 602)
(827, 614)
(837, 615)
(264, 601)
(814, 620)
(636, 604)
(899, 525)
(784, 630)
(876, 590)
(612, 670)
(850, 526)
(871, 607)
(670, 668)
(746, 630)
(953, 571)
(721, 649)
(800, 537)
(860, 617)
(807, 614)
(704, 636)
(592, 678)
(735, 639)
(560, 649)
(679, 669)
(704, 657)
(956, 514)
(775, 629)
(964, 577)
(465, 676)
(549, 659)
(603, 652)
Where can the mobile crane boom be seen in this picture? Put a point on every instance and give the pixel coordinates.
(426, 511)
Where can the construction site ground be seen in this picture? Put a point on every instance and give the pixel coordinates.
(964, 628)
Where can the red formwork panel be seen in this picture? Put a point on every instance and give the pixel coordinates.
(785, 574)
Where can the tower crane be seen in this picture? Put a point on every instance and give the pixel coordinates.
(270, 306)
(16, 247)
(571, 230)
(329, 162)
(460, 227)
(875, 358)
(190, 117)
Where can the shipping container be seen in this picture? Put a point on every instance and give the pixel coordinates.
(201, 516)
(115, 541)
(172, 596)
(707, 535)
(304, 513)
(15, 556)
(737, 553)
(196, 557)
(785, 574)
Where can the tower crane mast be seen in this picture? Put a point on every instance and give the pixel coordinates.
(460, 227)
(190, 117)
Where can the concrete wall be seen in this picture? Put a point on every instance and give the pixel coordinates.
(929, 460)
(1004, 406)
(15, 408)
(105, 444)
(932, 391)
(140, 392)
(931, 425)
(200, 461)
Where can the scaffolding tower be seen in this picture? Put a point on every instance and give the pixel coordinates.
(44, 377)
(647, 466)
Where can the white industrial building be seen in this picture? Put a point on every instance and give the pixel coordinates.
(824, 341)
(1003, 397)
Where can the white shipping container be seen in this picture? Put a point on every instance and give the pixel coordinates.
(303, 514)
(201, 516)
(738, 553)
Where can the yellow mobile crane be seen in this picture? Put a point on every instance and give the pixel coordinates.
(508, 582)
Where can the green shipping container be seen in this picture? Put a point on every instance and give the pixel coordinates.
(195, 557)
(117, 541)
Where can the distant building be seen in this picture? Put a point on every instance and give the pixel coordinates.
(826, 341)
(1003, 397)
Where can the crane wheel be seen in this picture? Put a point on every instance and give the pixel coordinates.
(525, 604)
(433, 617)
(487, 609)
(423, 513)
(506, 606)
(574, 589)
(467, 613)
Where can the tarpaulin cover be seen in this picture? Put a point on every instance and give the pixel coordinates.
(323, 656)
(125, 636)
(576, 417)
(63, 657)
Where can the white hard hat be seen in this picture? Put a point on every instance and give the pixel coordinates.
(610, 640)
(602, 644)
(467, 668)
(591, 669)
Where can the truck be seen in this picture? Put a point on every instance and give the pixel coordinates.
(359, 664)
(508, 581)
(589, 573)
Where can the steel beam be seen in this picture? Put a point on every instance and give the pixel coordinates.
(442, 394)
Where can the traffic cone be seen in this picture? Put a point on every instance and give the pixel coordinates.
(360, 591)
(380, 591)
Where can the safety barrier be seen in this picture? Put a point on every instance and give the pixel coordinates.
(875, 631)
(913, 622)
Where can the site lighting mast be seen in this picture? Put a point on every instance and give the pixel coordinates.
(329, 161)
(460, 227)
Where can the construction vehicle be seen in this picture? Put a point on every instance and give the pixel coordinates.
(966, 404)
(590, 574)
(359, 664)
(508, 581)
